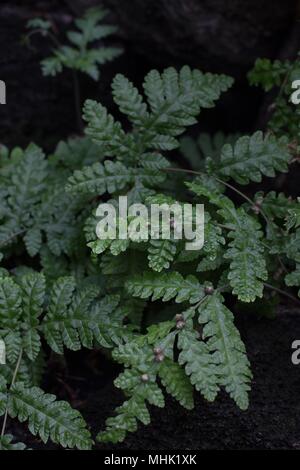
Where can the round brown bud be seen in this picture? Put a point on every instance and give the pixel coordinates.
(179, 317)
(180, 324)
(145, 378)
(159, 357)
(209, 290)
(157, 350)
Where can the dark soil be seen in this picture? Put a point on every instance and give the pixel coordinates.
(272, 421)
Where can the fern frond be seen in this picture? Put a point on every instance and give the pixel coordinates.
(33, 241)
(73, 322)
(130, 102)
(246, 255)
(33, 292)
(126, 420)
(251, 157)
(199, 365)
(176, 98)
(228, 351)
(48, 418)
(161, 253)
(176, 383)
(102, 128)
(98, 179)
(165, 286)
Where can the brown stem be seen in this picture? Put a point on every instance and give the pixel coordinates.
(282, 292)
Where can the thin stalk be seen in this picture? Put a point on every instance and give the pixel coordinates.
(12, 237)
(44, 34)
(282, 292)
(11, 385)
(233, 188)
(230, 186)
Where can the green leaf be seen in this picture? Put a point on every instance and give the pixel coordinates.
(33, 292)
(48, 418)
(293, 217)
(293, 278)
(161, 253)
(251, 157)
(246, 255)
(228, 350)
(176, 98)
(130, 102)
(165, 286)
(102, 128)
(98, 179)
(33, 241)
(199, 364)
(10, 303)
(176, 383)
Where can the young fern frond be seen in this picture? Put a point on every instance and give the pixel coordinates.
(81, 54)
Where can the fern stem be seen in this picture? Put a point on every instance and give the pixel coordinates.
(282, 292)
(233, 188)
(44, 34)
(12, 237)
(12, 383)
(228, 185)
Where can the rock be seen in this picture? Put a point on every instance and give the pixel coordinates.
(210, 34)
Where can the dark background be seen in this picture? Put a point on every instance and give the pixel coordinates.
(215, 36)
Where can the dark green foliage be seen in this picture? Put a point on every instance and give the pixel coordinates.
(80, 54)
(160, 309)
(278, 76)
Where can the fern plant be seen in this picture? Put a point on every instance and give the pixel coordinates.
(278, 77)
(81, 53)
(162, 311)
(236, 255)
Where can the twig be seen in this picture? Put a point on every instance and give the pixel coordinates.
(3, 243)
(230, 186)
(282, 292)
(11, 385)
(44, 34)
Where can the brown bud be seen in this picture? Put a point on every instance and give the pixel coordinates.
(157, 351)
(180, 324)
(145, 378)
(209, 290)
(179, 317)
(159, 357)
